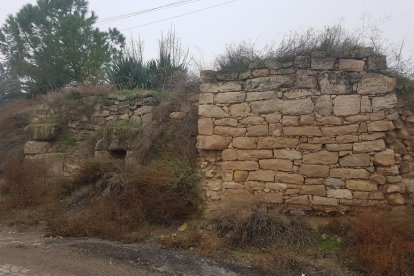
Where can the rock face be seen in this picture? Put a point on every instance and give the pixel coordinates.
(321, 131)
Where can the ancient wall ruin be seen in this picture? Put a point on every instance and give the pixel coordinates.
(317, 132)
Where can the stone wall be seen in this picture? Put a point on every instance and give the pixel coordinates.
(317, 132)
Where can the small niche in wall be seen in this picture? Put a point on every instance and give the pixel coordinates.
(118, 154)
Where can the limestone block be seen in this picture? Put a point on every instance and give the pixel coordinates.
(229, 131)
(325, 201)
(262, 175)
(220, 87)
(388, 189)
(318, 190)
(255, 185)
(276, 164)
(245, 75)
(366, 104)
(314, 170)
(259, 130)
(380, 126)
(262, 72)
(270, 83)
(347, 139)
(321, 158)
(351, 65)
(239, 110)
(396, 199)
(288, 154)
(300, 200)
(307, 120)
(340, 130)
(241, 165)
(252, 121)
(356, 160)
(361, 185)
(206, 98)
(240, 176)
(358, 118)
(143, 110)
(384, 103)
(276, 186)
(321, 140)
(226, 122)
(213, 142)
(229, 155)
(254, 154)
(277, 143)
(268, 106)
(333, 83)
(393, 170)
(227, 76)
(372, 136)
(310, 147)
(298, 93)
(229, 97)
(345, 105)
(339, 147)
(258, 96)
(43, 132)
(322, 63)
(377, 116)
(329, 121)
(274, 198)
(34, 147)
(211, 111)
(302, 131)
(289, 178)
(232, 185)
(304, 80)
(409, 185)
(245, 143)
(369, 146)
(346, 173)
(376, 84)
(340, 193)
(385, 158)
(334, 182)
(298, 107)
(379, 179)
(290, 120)
(273, 118)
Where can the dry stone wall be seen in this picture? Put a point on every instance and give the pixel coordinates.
(316, 132)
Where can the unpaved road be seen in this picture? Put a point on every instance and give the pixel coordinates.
(30, 254)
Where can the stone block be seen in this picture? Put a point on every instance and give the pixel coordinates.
(329, 121)
(334, 182)
(395, 199)
(300, 200)
(322, 63)
(334, 84)
(232, 185)
(290, 120)
(369, 146)
(211, 111)
(347, 139)
(206, 98)
(307, 120)
(384, 158)
(229, 97)
(239, 110)
(229, 155)
(298, 107)
(143, 110)
(376, 84)
(273, 118)
(270, 83)
(291, 178)
(208, 76)
(358, 118)
(346, 173)
(205, 126)
(310, 147)
(220, 87)
(303, 80)
(288, 154)
(259, 96)
(227, 76)
(366, 104)
(268, 106)
(355, 160)
(259, 130)
(34, 147)
(262, 175)
(351, 65)
(302, 62)
(229, 131)
(380, 126)
(340, 130)
(262, 72)
(277, 143)
(276, 186)
(325, 201)
(254, 154)
(213, 142)
(321, 158)
(318, 190)
(252, 121)
(379, 179)
(241, 165)
(302, 131)
(298, 93)
(340, 193)
(244, 143)
(273, 198)
(345, 105)
(276, 164)
(339, 147)
(321, 140)
(361, 185)
(43, 132)
(240, 176)
(226, 122)
(314, 170)
(384, 103)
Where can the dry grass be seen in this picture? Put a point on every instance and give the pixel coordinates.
(379, 243)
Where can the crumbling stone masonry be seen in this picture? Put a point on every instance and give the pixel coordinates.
(318, 132)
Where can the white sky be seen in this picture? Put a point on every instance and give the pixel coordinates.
(260, 21)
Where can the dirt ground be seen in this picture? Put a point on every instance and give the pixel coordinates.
(28, 253)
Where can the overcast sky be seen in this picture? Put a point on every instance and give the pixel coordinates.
(260, 21)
